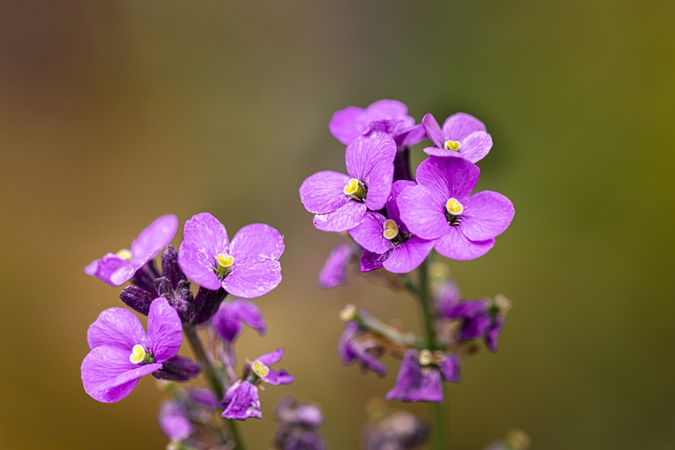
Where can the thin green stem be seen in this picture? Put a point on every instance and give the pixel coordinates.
(438, 414)
(213, 379)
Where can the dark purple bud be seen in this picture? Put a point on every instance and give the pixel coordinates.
(178, 368)
(206, 304)
(137, 299)
(397, 431)
(204, 397)
(145, 277)
(180, 298)
(170, 268)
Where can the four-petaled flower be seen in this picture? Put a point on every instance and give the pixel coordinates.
(340, 201)
(442, 208)
(462, 135)
(121, 352)
(421, 374)
(387, 240)
(247, 267)
(118, 268)
(241, 399)
(388, 116)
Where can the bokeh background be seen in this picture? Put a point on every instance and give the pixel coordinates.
(114, 112)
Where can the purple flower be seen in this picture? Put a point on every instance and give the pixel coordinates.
(396, 430)
(421, 374)
(388, 116)
(339, 201)
(174, 421)
(298, 426)
(121, 353)
(462, 135)
(334, 269)
(357, 346)
(231, 315)
(247, 266)
(118, 268)
(473, 314)
(387, 237)
(241, 399)
(441, 207)
(493, 332)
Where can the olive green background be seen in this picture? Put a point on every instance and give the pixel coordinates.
(112, 113)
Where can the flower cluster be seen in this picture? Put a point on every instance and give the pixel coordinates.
(122, 352)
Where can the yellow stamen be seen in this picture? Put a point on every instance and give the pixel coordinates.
(425, 358)
(348, 313)
(260, 369)
(124, 254)
(390, 230)
(452, 145)
(454, 207)
(137, 354)
(352, 187)
(225, 263)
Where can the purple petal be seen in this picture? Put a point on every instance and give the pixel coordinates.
(204, 238)
(422, 212)
(371, 261)
(369, 233)
(108, 376)
(242, 402)
(350, 351)
(411, 136)
(486, 215)
(174, 421)
(468, 308)
(279, 377)
(257, 240)
(447, 299)
(204, 397)
(433, 130)
(227, 320)
(450, 368)
(252, 277)
(416, 384)
(474, 326)
(493, 333)
(442, 153)
(407, 256)
(392, 205)
(371, 160)
(111, 269)
(153, 239)
(342, 219)
(165, 332)
(269, 359)
(386, 109)
(323, 193)
(334, 269)
(475, 146)
(460, 125)
(346, 125)
(198, 265)
(448, 177)
(455, 245)
(116, 327)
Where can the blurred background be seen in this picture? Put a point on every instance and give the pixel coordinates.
(114, 112)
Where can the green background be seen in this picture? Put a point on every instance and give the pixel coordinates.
(112, 113)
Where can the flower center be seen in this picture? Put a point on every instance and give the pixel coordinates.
(452, 145)
(139, 355)
(225, 263)
(125, 253)
(390, 229)
(454, 207)
(260, 369)
(355, 189)
(425, 358)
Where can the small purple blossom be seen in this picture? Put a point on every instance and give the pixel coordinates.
(388, 116)
(462, 136)
(441, 208)
(175, 421)
(357, 346)
(241, 399)
(121, 352)
(334, 271)
(298, 426)
(338, 201)
(118, 268)
(386, 239)
(421, 374)
(397, 430)
(247, 267)
(232, 314)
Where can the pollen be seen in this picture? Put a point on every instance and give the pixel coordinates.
(125, 253)
(138, 354)
(390, 229)
(224, 260)
(260, 369)
(352, 187)
(452, 145)
(454, 207)
(425, 358)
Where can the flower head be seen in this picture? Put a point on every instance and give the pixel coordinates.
(121, 352)
(232, 314)
(462, 136)
(388, 116)
(357, 346)
(118, 268)
(340, 201)
(387, 240)
(241, 399)
(298, 426)
(441, 207)
(421, 374)
(248, 266)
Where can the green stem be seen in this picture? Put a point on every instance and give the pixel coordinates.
(438, 415)
(213, 379)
